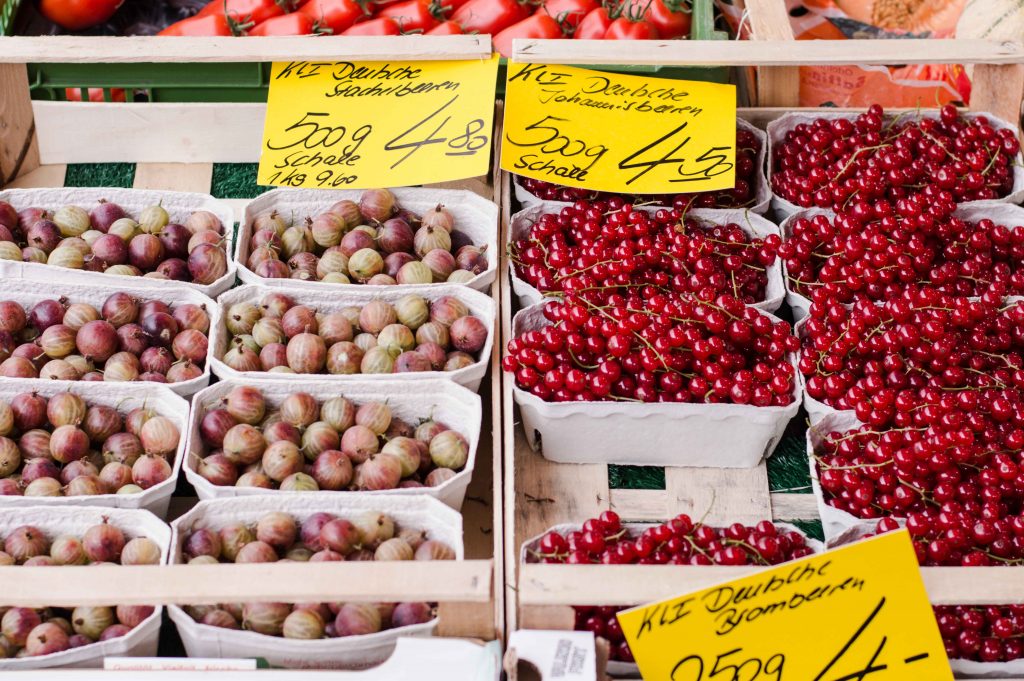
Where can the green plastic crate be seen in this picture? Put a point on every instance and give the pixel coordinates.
(248, 82)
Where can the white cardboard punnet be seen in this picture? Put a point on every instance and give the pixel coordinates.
(201, 640)
(441, 400)
(179, 206)
(140, 641)
(762, 196)
(834, 522)
(124, 397)
(752, 224)
(475, 216)
(324, 300)
(778, 128)
(654, 434)
(27, 293)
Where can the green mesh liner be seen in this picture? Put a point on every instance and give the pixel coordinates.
(100, 175)
(636, 477)
(812, 528)
(236, 181)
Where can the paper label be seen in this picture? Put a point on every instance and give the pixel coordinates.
(617, 133)
(856, 613)
(360, 125)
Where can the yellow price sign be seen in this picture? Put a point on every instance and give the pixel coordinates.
(618, 133)
(858, 613)
(356, 125)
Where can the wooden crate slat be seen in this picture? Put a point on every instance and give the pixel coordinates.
(768, 52)
(998, 90)
(18, 153)
(549, 585)
(51, 175)
(720, 496)
(789, 506)
(466, 581)
(776, 85)
(181, 177)
(150, 49)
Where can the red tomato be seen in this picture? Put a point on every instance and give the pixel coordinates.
(539, 25)
(253, 12)
(627, 29)
(490, 16)
(74, 94)
(672, 18)
(336, 15)
(412, 15)
(378, 26)
(594, 25)
(445, 28)
(77, 15)
(211, 24)
(295, 23)
(569, 12)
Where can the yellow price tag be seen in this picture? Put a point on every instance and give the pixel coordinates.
(356, 125)
(618, 133)
(858, 613)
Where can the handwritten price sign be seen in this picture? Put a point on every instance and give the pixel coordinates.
(855, 614)
(618, 133)
(356, 125)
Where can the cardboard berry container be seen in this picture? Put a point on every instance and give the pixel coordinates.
(752, 224)
(655, 434)
(179, 205)
(762, 190)
(142, 640)
(447, 402)
(475, 216)
(202, 640)
(778, 128)
(324, 300)
(124, 397)
(834, 522)
(28, 293)
(617, 668)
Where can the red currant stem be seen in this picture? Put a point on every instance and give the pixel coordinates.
(937, 141)
(1002, 357)
(854, 158)
(588, 267)
(678, 260)
(579, 363)
(732, 277)
(877, 432)
(853, 467)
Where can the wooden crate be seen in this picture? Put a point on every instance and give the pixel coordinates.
(540, 494)
(175, 146)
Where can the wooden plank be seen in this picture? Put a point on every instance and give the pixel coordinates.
(551, 585)
(548, 617)
(720, 496)
(181, 177)
(18, 154)
(51, 175)
(466, 581)
(148, 49)
(149, 133)
(776, 85)
(768, 52)
(788, 506)
(998, 90)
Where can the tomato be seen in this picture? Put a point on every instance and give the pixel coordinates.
(594, 25)
(445, 28)
(77, 15)
(569, 12)
(209, 25)
(412, 15)
(672, 18)
(336, 15)
(74, 94)
(378, 26)
(286, 24)
(490, 16)
(253, 12)
(624, 28)
(539, 25)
